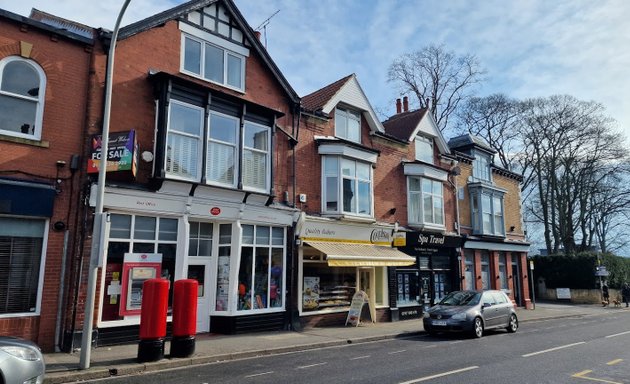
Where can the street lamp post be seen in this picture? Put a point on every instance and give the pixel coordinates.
(97, 250)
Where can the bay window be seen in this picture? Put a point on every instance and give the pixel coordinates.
(185, 127)
(487, 210)
(347, 186)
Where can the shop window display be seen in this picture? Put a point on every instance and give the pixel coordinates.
(327, 288)
(261, 269)
(408, 288)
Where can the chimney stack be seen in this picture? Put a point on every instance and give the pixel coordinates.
(398, 106)
(405, 104)
(257, 33)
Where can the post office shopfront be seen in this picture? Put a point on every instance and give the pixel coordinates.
(336, 259)
(435, 272)
(236, 251)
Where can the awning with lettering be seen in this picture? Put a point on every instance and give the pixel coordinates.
(361, 255)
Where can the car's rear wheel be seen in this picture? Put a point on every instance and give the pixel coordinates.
(513, 324)
(477, 327)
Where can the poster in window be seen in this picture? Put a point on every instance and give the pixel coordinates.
(310, 296)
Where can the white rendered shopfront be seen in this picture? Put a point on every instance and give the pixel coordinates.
(236, 250)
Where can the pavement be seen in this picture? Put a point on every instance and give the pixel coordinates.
(121, 360)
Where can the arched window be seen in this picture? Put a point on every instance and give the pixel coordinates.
(22, 88)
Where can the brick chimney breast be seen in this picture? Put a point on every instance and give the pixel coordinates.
(405, 104)
(398, 106)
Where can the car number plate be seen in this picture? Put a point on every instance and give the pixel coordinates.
(439, 322)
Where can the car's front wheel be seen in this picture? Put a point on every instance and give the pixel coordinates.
(477, 327)
(513, 324)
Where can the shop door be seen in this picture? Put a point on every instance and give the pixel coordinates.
(367, 284)
(200, 271)
(516, 280)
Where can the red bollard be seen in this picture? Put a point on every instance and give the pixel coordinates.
(153, 312)
(184, 317)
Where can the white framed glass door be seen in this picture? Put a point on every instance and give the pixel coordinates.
(367, 284)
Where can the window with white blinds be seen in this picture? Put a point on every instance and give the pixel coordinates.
(255, 156)
(221, 161)
(21, 242)
(185, 127)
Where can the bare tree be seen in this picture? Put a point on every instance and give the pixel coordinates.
(493, 118)
(439, 79)
(574, 156)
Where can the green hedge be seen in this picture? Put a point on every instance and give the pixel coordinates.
(578, 271)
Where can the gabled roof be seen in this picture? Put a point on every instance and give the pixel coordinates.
(315, 101)
(348, 92)
(406, 125)
(193, 5)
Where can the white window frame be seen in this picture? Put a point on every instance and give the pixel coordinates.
(39, 100)
(340, 178)
(417, 218)
(235, 148)
(270, 246)
(481, 167)
(171, 175)
(42, 272)
(219, 44)
(267, 154)
(479, 210)
(347, 114)
(424, 149)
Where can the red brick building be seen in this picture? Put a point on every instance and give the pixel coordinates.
(490, 218)
(44, 67)
(198, 183)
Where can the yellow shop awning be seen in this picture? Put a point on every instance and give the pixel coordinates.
(361, 255)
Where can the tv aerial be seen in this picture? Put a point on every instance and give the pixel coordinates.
(264, 24)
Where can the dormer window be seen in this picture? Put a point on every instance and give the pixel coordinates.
(213, 47)
(424, 149)
(348, 125)
(481, 166)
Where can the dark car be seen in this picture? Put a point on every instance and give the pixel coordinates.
(471, 312)
(21, 361)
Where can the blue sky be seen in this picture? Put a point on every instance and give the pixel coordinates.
(529, 48)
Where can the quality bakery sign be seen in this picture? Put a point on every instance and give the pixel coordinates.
(319, 231)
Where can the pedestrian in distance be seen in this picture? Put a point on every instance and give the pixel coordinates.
(625, 293)
(605, 294)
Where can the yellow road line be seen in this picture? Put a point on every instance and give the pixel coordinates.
(582, 375)
(614, 362)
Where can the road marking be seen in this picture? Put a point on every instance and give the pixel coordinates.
(456, 342)
(440, 375)
(395, 352)
(310, 366)
(618, 334)
(554, 349)
(582, 375)
(617, 361)
(360, 357)
(259, 374)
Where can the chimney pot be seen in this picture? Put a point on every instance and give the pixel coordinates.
(398, 106)
(257, 33)
(405, 104)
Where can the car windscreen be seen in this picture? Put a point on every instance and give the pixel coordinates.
(461, 298)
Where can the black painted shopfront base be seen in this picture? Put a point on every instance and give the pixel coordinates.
(150, 350)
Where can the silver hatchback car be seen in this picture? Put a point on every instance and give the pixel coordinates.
(21, 362)
(472, 312)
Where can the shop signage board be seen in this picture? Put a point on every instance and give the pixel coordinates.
(356, 306)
